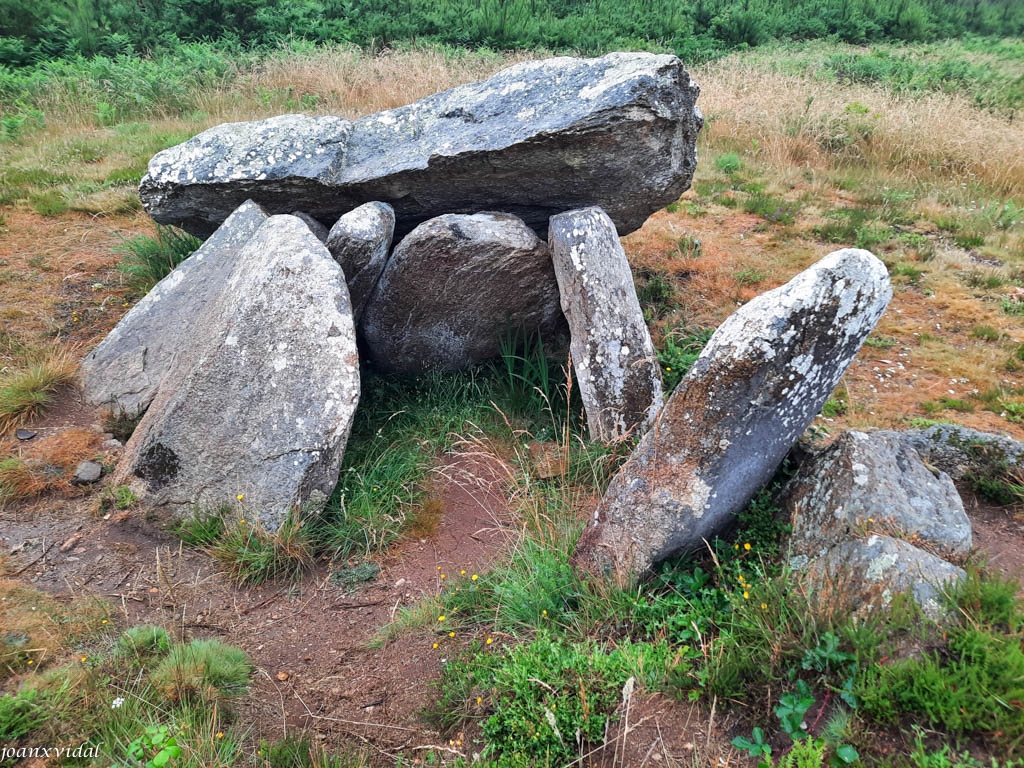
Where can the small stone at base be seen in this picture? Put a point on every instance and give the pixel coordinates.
(88, 472)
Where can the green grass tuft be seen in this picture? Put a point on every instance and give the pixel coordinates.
(147, 260)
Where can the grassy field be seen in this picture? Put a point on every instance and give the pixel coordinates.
(914, 152)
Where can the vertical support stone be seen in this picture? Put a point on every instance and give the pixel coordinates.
(612, 352)
(360, 241)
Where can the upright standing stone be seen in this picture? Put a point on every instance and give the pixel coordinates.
(536, 139)
(755, 388)
(360, 242)
(261, 409)
(454, 286)
(125, 370)
(612, 352)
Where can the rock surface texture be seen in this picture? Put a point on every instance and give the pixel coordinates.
(757, 385)
(360, 242)
(125, 370)
(864, 574)
(451, 289)
(612, 352)
(874, 483)
(261, 409)
(534, 140)
(959, 451)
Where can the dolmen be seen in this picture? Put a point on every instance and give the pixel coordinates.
(414, 238)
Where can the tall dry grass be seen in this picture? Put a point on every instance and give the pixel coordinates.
(800, 121)
(350, 82)
(795, 120)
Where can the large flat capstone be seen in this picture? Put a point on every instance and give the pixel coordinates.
(454, 287)
(612, 352)
(755, 388)
(261, 407)
(536, 139)
(125, 370)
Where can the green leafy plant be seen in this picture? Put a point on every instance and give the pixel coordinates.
(679, 352)
(756, 746)
(792, 708)
(155, 748)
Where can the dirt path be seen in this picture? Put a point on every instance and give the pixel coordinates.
(317, 667)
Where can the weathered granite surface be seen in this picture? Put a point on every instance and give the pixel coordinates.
(612, 353)
(536, 139)
(755, 388)
(259, 410)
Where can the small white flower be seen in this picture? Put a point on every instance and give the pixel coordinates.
(116, 703)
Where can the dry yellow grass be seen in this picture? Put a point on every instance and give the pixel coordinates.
(352, 83)
(799, 122)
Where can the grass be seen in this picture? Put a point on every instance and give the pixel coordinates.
(402, 426)
(149, 260)
(26, 390)
(142, 697)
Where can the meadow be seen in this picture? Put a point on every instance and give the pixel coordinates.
(913, 150)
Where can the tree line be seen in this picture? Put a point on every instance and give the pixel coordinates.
(37, 30)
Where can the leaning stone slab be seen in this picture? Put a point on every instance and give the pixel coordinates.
(874, 482)
(755, 388)
(453, 287)
(536, 139)
(261, 409)
(865, 574)
(612, 352)
(360, 242)
(125, 370)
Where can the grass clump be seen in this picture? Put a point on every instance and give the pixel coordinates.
(147, 260)
(26, 390)
(48, 203)
(144, 641)
(656, 294)
(19, 714)
(202, 670)
(252, 555)
(773, 209)
(984, 333)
